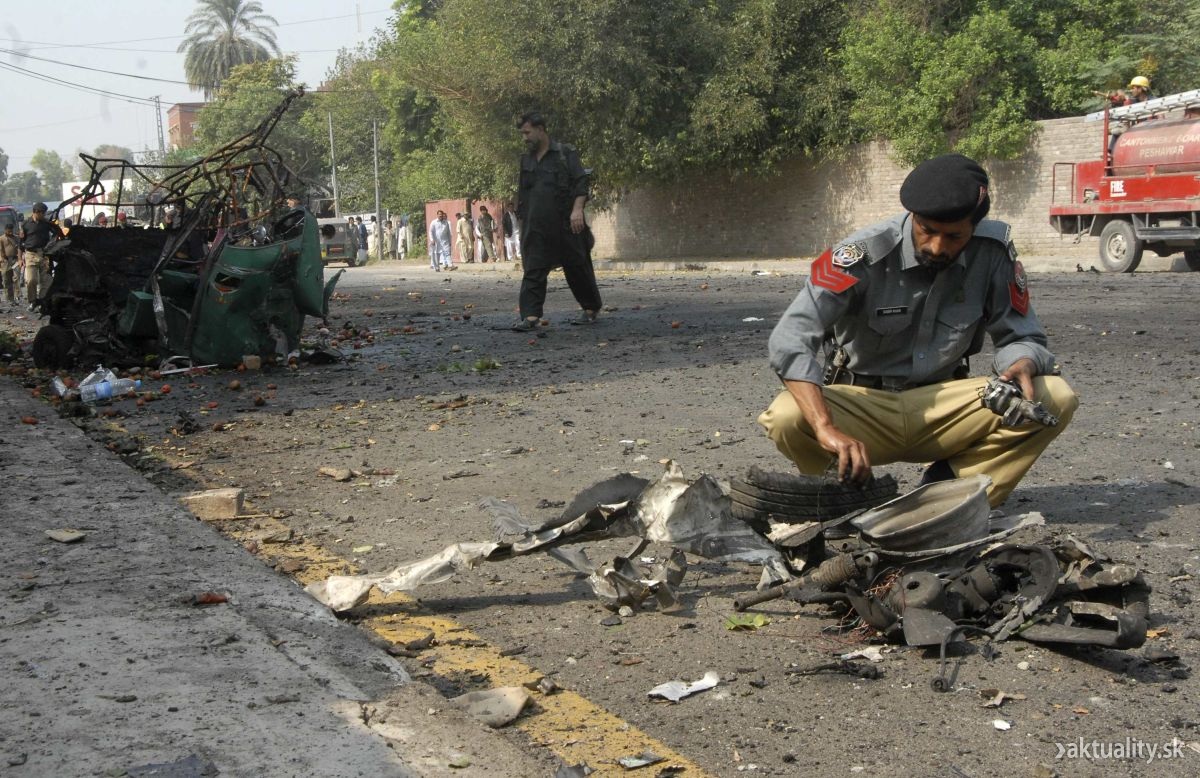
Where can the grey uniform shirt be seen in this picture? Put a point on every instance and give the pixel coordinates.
(906, 322)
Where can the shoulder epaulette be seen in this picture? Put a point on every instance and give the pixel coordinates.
(999, 231)
(875, 242)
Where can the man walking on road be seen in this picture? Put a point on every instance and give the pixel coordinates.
(439, 243)
(906, 302)
(550, 197)
(36, 234)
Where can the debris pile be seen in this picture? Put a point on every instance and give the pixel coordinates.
(927, 568)
(694, 517)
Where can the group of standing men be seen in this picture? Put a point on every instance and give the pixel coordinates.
(25, 255)
(473, 238)
(365, 238)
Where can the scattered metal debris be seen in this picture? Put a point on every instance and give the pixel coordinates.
(677, 690)
(925, 569)
(1005, 399)
(691, 516)
(644, 759)
(846, 667)
(830, 573)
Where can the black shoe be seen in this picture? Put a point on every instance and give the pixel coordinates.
(937, 471)
(525, 325)
(585, 317)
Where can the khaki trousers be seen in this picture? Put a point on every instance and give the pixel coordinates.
(939, 421)
(465, 250)
(37, 275)
(8, 273)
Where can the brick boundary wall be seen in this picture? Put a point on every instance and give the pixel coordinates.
(809, 205)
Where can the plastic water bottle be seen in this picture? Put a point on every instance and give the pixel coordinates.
(102, 391)
(101, 373)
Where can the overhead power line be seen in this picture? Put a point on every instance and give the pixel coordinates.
(78, 87)
(49, 45)
(134, 98)
(94, 70)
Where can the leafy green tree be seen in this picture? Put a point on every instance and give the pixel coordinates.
(354, 93)
(3, 166)
(24, 187)
(245, 98)
(972, 76)
(1165, 45)
(646, 90)
(221, 35)
(652, 91)
(53, 170)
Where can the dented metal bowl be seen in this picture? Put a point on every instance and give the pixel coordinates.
(934, 516)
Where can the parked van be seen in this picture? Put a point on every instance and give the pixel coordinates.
(338, 247)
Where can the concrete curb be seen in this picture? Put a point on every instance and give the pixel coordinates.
(111, 666)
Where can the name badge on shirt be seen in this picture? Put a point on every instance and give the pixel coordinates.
(892, 310)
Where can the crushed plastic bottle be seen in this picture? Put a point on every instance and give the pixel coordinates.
(62, 390)
(103, 391)
(101, 373)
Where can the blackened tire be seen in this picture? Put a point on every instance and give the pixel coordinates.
(1120, 249)
(52, 348)
(762, 497)
(1192, 259)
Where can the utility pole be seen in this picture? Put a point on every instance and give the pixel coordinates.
(378, 209)
(337, 205)
(162, 146)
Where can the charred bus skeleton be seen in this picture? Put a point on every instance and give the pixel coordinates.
(224, 268)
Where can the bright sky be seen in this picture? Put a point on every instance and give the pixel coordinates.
(137, 37)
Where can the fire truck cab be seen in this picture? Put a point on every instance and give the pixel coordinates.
(1143, 192)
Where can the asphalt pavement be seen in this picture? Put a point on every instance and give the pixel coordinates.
(153, 645)
(114, 663)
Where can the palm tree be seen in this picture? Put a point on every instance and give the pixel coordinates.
(222, 34)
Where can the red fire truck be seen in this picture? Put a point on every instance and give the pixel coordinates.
(1143, 191)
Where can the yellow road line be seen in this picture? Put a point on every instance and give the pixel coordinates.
(566, 723)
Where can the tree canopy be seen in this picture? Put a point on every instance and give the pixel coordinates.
(652, 91)
(53, 170)
(244, 100)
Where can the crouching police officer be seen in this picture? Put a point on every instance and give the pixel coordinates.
(906, 302)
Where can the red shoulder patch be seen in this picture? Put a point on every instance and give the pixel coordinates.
(825, 275)
(1018, 290)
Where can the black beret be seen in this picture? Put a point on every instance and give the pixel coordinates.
(946, 189)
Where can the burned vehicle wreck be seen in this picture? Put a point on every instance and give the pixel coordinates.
(222, 269)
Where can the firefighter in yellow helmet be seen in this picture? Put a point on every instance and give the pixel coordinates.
(1139, 90)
